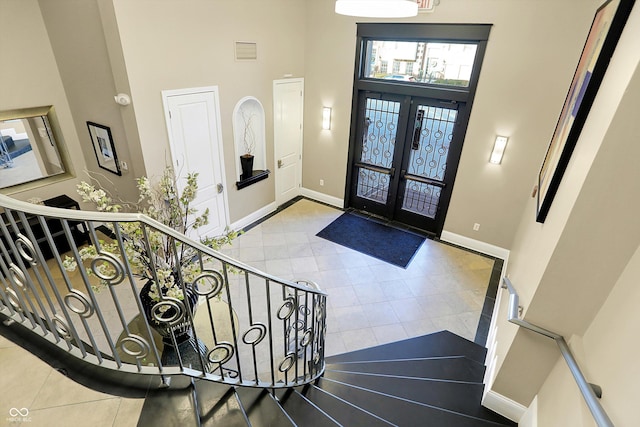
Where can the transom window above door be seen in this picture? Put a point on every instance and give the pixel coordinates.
(421, 62)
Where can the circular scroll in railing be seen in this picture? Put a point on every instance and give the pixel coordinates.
(135, 345)
(14, 300)
(308, 283)
(26, 249)
(17, 275)
(79, 303)
(304, 310)
(108, 268)
(299, 324)
(307, 337)
(287, 309)
(168, 311)
(221, 353)
(254, 334)
(287, 362)
(61, 327)
(208, 284)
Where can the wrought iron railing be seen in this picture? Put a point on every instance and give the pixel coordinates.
(230, 324)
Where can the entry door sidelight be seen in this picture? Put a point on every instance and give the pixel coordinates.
(404, 153)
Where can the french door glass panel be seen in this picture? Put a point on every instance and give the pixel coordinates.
(427, 162)
(378, 149)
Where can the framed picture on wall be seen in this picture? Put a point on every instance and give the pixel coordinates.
(605, 31)
(104, 148)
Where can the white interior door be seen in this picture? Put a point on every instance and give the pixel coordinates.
(288, 106)
(193, 120)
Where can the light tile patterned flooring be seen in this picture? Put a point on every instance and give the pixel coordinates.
(370, 303)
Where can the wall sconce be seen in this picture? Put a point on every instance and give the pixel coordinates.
(326, 118)
(498, 150)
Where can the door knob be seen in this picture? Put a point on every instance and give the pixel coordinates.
(280, 163)
(220, 188)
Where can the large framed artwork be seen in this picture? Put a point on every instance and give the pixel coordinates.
(605, 31)
(104, 148)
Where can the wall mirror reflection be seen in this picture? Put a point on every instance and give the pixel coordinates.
(28, 149)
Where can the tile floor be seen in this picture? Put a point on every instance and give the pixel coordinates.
(370, 303)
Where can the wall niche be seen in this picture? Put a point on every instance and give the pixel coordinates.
(249, 138)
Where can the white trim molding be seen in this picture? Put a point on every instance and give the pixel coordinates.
(255, 216)
(475, 245)
(321, 197)
(503, 405)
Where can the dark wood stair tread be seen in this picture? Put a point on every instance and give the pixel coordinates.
(458, 368)
(401, 411)
(303, 411)
(443, 343)
(342, 410)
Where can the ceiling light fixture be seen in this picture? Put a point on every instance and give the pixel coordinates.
(377, 8)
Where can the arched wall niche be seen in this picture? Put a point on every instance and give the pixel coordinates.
(249, 132)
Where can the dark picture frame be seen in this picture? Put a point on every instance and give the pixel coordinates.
(605, 31)
(104, 148)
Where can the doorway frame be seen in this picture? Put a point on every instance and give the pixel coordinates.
(472, 33)
(218, 120)
(277, 82)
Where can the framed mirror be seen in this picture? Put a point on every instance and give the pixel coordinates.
(29, 148)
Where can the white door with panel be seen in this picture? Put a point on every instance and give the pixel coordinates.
(288, 107)
(193, 122)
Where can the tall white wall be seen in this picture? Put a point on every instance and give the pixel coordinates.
(565, 268)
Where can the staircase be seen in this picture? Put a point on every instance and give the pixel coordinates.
(433, 380)
(235, 346)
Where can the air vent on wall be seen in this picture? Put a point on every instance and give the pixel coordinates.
(246, 51)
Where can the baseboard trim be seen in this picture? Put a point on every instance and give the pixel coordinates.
(255, 216)
(321, 197)
(475, 245)
(503, 405)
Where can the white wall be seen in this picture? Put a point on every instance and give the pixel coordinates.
(184, 44)
(29, 77)
(565, 268)
(608, 352)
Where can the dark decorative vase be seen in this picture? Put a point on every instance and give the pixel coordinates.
(246, 162)
(189, 350)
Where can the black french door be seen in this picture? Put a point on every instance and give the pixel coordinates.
(405, 158)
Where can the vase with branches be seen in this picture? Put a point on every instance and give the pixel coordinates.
(160, 261)
(248, 141)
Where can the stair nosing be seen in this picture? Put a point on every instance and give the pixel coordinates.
(317, 407)
(243, 410)
(352, 405)
(277, 403)
(440, 380)
(404, 360)
(438, 408)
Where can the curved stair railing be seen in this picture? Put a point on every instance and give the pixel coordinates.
(247, 328)
(590, 392)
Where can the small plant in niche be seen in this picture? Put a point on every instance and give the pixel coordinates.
(249, 141)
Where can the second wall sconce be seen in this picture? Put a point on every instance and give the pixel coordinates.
(326, 118)
(498, 150)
